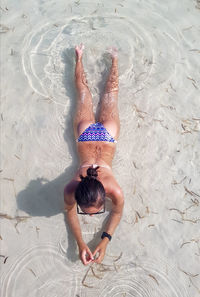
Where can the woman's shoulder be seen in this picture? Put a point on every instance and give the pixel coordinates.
(69, 190)
(111, 185)
(71, 186)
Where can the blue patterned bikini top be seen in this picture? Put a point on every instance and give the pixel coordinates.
(96, 132)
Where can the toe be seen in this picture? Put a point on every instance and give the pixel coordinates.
(82, 46)
(113, 51)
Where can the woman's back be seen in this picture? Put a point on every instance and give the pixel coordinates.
(96, 152)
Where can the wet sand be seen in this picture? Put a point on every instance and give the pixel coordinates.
(156, 248)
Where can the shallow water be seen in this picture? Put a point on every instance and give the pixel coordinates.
(155, 250)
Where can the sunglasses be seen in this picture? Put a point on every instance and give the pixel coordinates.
(79, 211)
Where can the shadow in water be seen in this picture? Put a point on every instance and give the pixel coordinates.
(42, 197)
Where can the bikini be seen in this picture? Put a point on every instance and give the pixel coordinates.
(96, 132)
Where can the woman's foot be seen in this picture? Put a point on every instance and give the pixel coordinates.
(79, 51)
(113, 52)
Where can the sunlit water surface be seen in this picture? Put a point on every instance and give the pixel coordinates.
(155, 250)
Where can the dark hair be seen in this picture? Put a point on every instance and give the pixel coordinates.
(90, 191)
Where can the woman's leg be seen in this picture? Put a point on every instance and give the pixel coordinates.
(109, 115)
(84, 115)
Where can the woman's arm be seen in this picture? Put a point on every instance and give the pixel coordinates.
(116, 212)
(113, 221)
(73, 221)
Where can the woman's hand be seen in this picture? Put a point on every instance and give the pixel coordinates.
(85, 254)
(100, 249)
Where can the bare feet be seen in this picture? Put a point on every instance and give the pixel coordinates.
(113, 51)
(79, 51)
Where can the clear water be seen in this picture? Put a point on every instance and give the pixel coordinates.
(155, 250)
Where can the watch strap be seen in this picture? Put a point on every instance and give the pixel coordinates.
(105, 234)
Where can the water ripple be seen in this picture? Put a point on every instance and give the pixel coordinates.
(39, 271)
(144, 48)
(43, 271)
(143, 278)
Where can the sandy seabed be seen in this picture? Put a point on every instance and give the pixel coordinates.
(155, 251)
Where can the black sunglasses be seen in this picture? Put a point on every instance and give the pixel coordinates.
(94, 213)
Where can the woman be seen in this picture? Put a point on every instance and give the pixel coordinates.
(96, 143)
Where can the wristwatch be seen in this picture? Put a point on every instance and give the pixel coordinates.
(105, 234)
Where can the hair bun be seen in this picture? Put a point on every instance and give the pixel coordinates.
(92, 172)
